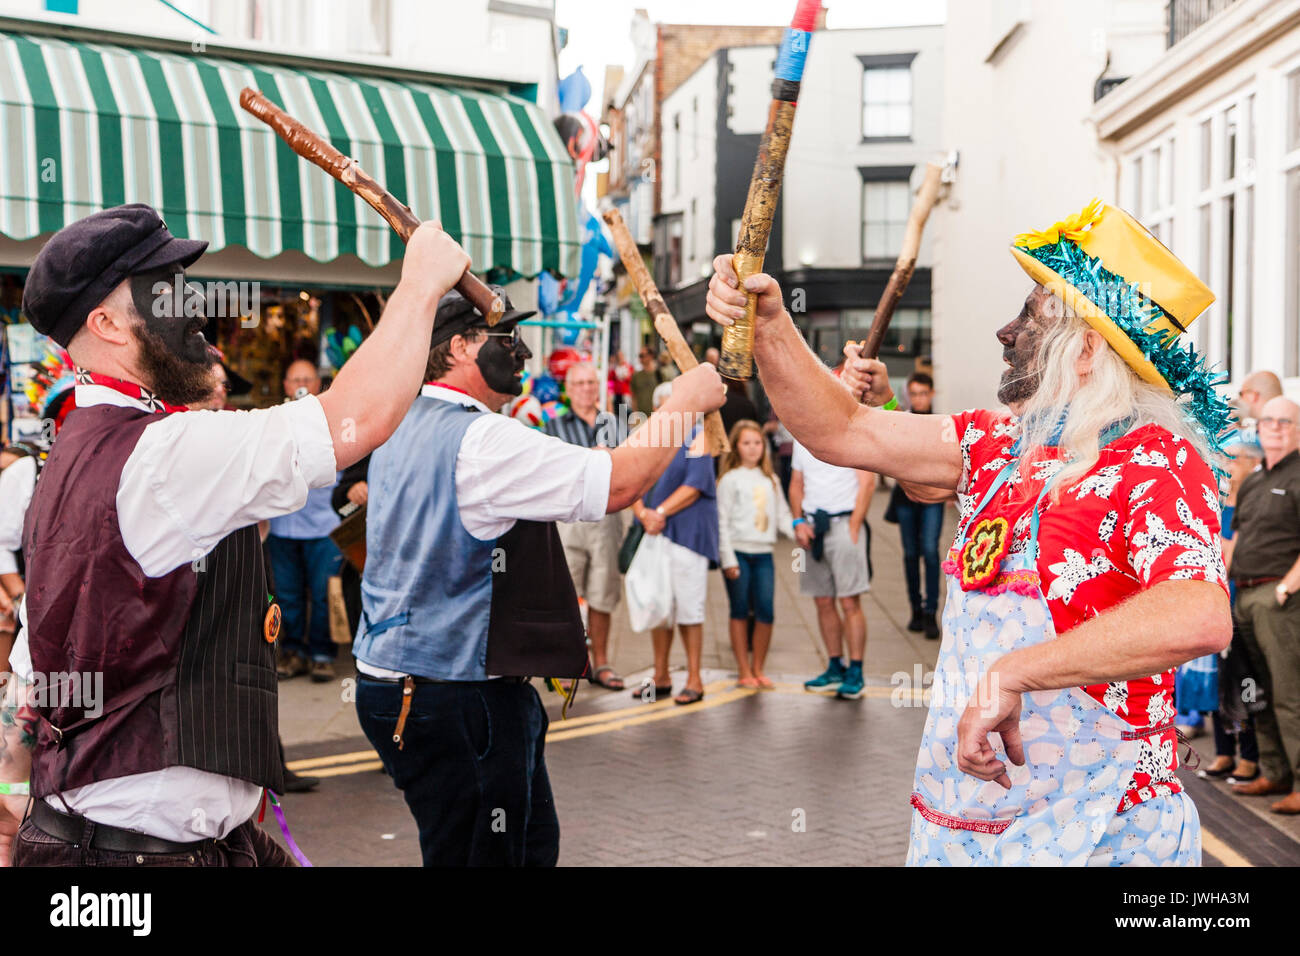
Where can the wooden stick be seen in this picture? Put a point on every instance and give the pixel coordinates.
(765, 186)
(926, 197)
(313, 148)
(665, 324)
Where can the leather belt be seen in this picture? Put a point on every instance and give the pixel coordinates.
(1256, 582)
(70, 828)
(400, 681)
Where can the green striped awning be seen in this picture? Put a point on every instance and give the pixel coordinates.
(85, 126)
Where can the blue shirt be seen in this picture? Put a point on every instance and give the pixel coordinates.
(316, 519)
(694, 527)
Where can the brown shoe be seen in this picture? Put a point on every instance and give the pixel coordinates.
(290, 665)
(1261, 787)
(322, 671)
(1289, 804)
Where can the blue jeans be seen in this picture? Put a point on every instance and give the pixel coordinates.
(751, 592)
(919, 526)
(472, 769)
(301, 568)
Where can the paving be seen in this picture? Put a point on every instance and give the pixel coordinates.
(754, 778)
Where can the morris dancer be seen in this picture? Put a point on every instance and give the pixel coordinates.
(144, 564)
(466, 593)
(1086, 564)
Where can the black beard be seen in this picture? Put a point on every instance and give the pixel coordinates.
(175, 380)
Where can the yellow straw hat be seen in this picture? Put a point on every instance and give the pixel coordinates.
(1128, 286)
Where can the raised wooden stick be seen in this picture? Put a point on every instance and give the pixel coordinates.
(926, 197)
(665, 324)
(765, 186)
(313, 148)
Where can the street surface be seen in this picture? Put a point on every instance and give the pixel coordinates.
(752, 778)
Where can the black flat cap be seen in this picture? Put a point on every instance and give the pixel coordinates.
(84, 261)
(456, 315)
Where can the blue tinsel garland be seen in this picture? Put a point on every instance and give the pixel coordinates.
(1186, 372)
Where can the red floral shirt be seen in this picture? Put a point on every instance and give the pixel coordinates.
(1147, 511)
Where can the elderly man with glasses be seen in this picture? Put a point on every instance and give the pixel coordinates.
(1266, 569)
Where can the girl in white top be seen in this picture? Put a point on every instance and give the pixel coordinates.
(751, 510)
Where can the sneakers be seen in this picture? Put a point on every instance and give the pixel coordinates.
(828, 681)
(852, 686)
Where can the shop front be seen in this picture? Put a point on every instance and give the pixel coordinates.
(297, 265)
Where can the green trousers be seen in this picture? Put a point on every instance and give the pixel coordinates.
(1271, 634)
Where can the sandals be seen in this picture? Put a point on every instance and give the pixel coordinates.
(689, 696)
(609, 683)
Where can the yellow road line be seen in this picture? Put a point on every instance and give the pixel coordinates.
(715, 701)
(1225, 854)
(350, 768)
(310, 763)
(604, 715)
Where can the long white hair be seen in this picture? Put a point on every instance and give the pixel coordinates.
(1111, 391)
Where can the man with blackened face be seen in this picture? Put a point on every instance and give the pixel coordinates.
(466, 585)
(173, 356)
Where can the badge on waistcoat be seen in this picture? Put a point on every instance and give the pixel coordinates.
(982, 555)
(271, 624)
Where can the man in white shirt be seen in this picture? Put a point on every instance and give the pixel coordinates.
(466, 592)
(829, 505)
(145, 578)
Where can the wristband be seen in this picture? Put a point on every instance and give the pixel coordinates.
(798, 521)
(890, 405)
(16, 789)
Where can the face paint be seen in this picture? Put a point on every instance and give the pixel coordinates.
(173, 312)
(1021, 338)
(172, 379)
(501, 364)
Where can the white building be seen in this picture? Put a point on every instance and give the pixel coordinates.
(1204, 146)
(869, 117)
(1021, 77)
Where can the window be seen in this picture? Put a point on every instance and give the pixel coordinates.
(1224, 232)
(1293, 110)
(695, 128)
(887, 96)
(886, 202)
(677, 154)
(907, 342)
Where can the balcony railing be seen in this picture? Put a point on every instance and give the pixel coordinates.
(1184, 16)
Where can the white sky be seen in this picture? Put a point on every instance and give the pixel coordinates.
(600, 30)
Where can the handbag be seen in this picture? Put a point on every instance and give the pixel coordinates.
(627, 550)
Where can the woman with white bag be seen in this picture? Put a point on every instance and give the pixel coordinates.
(680, 517)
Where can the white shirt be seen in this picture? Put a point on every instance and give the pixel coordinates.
(508, 472)
(16, 484)
(192, 479)
(751, 511)
(828, 488)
